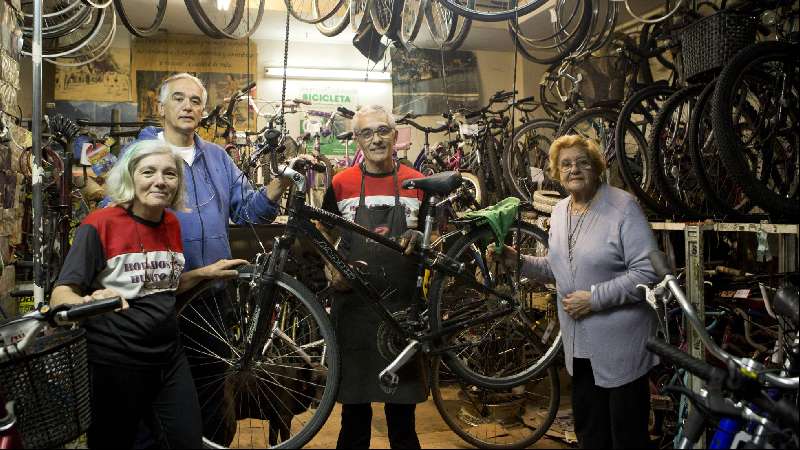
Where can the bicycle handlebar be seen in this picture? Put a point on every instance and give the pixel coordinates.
(82, 312)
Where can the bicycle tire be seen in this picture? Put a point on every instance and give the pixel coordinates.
(567, 47)
(636, 169)
(386, 16)
(441, 21)
(148, 30)
(359, 14)
(668, 154)
(411, 21)
(724, 193)
(337, 22)
(730, 143)
(318, 12)
(463, 26)
(498, 15)
(545, 201)
(494, 165)
(478, 191)
(67, 49)
(527, 348)
(524, 172)
(470, 408)
(209, 28)
(299, 300)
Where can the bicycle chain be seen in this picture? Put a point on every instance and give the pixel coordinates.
(285, 64)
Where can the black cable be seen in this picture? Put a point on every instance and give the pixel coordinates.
(200, 216)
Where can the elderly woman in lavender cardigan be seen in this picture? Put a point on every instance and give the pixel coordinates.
(599, 242)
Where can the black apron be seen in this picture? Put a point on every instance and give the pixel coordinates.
(357, 324)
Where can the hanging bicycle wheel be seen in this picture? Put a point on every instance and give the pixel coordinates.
(154, 8)
(505, 350)
(239, 20)
(337, 22)
(670, 163)
(496, 419)
(313, 11)
(641, 110)
(526, 163)
(570, 28)
(764, 78)
(411, 21)
(493, 11)
(386, 16)
(283, 396)
(721, 189)
(359, 14)
(94, 49)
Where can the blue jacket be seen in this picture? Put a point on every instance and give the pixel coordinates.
(216, 192)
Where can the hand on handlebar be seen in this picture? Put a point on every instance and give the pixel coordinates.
(102, 294)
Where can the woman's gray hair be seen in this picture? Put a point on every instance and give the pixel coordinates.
(163, 92)
(373, 109)
(119, 184)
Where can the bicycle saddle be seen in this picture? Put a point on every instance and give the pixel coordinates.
(440, 183)
(347, 136)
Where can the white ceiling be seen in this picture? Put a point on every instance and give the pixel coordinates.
(483, 35)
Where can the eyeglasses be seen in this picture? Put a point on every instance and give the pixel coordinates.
(582, 164)
(199, 203)
(382, 131)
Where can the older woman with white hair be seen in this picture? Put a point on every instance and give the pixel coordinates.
(134, 250)
(598, 252)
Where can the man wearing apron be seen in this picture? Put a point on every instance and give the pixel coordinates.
(370, 194)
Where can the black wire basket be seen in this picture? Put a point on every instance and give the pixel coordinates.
(603, 79)
(50, 389)
(709, 43)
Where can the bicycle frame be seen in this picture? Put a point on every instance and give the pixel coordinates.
(299, 224)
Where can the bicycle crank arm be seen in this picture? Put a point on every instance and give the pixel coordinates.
(388, 378)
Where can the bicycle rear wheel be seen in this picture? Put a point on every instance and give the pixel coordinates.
(505, 351)
(142, 31)
(285, 394)
(497, 419)
(525, 160)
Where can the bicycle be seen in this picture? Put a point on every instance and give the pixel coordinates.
(284, 362)
(744, 397)
(45, 390)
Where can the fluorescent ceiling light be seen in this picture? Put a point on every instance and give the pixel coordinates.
(327, 74)
(223, 5)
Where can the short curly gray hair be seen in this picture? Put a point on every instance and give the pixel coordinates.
(119, 184)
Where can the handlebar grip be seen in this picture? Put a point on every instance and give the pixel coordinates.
(81, 312)
(786, 302)
(346, 112)
(660, 263)
(782, 410)
(300, 101)
(245, 89)
(696, 366)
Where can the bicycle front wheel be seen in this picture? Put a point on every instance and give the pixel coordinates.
(504, 350)
(285, 393)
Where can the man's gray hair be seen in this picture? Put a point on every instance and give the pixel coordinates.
(373, 109)
(119, 184)
(163, 92)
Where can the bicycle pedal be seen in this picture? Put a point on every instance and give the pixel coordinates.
(388, 382)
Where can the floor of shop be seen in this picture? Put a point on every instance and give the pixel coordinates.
(432, 430)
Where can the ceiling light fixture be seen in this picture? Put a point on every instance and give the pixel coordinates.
(327, 74)
(223, 5)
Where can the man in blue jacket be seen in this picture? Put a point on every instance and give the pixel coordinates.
(216, 193)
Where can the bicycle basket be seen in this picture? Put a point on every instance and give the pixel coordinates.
(604, 79)
(50, 389)
(709, 43)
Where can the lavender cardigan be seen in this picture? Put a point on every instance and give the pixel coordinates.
(611, 259)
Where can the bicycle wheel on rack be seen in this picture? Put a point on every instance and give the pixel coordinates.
(285, 394)
(670, 163)
(504, 351)
(151, 26)
(238, 21)
(494, 11)
(641, 110)
(313, 11)
(526, 163)
(337, 22)
(496, 419)
(765, 78)
(721, 189)
(570, 32)
(359, 14)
